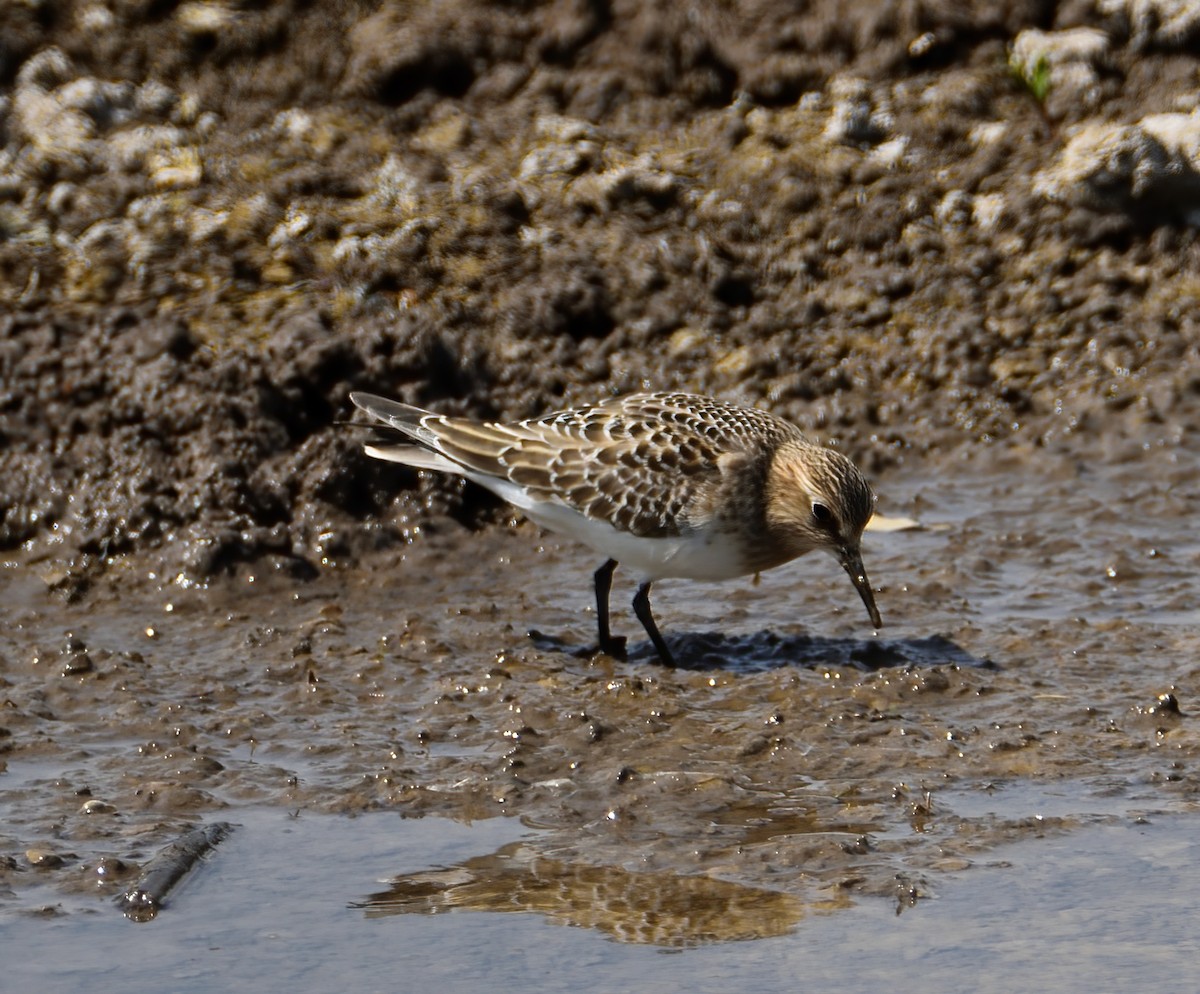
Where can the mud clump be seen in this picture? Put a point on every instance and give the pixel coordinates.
(219, 220)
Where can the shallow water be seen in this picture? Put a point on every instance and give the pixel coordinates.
(1107, 907)
(1000, 761)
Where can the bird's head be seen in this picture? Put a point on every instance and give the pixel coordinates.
(818, 499)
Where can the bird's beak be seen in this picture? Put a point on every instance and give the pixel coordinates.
(851, 560)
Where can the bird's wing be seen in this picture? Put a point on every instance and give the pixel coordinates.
(644, 463)
(622, 466)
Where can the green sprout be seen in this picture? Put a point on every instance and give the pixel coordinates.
(1035, 79)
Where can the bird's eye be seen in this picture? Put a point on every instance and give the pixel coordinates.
(822, 515)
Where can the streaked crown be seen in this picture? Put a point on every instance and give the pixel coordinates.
(816, 498)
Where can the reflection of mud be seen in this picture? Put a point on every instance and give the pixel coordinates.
(663, 909)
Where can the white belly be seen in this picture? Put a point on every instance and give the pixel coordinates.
(700, 556)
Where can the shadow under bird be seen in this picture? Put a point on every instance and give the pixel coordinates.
(670, 484)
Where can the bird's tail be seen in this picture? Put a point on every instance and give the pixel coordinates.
(401, 434)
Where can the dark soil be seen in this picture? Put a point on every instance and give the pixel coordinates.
(500, 208)
(218, 219)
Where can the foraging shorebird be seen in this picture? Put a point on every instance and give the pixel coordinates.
(669, 484)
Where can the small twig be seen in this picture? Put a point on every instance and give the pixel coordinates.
(143, 901)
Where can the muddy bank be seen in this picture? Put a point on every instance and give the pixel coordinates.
(1034, 644)
(955, 240)
(219, 219)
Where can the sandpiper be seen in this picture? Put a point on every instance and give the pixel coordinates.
(670, 484)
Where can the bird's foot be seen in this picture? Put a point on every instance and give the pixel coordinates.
(613, 646)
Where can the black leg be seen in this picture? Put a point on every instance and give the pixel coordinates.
(641, 607)
(603, 577)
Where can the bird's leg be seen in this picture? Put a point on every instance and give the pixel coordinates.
(641, 607)
(603, 577)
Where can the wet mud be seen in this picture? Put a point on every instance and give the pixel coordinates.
(223, 218)
(791, 756)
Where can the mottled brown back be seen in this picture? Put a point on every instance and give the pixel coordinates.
(644, 462)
